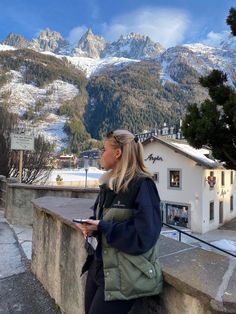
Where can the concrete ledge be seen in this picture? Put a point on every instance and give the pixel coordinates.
(196, 281)
(52, 187)
(18, 207)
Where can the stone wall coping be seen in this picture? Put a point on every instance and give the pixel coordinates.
(65, 208)
(52, 187)
(205, 275)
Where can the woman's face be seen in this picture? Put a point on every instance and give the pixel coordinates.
(110, 156)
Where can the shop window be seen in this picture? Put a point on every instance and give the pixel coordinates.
(177, 215)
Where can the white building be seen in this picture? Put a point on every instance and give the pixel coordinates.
(196, 191)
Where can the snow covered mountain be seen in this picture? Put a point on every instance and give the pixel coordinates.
(93, 53)
(17, 41)
(175, 72)
(228, 43)
(90, 45)
(215, 58)
(46, 41)
(133, 46)
(197, 60)
(50, 41)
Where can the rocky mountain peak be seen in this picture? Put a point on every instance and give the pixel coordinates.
(17, 41)
(49, 40)
(48, 35)
(134, 46)
(90, 45)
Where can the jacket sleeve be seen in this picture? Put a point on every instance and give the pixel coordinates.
(138, 235)
(94, 207)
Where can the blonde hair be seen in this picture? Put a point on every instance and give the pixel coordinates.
(131, 163)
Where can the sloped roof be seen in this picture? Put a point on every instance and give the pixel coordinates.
(201, 156)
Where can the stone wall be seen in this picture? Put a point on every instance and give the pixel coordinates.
(16, 198)
(3, 186)
(196, 281)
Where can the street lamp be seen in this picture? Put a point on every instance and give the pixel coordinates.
(86, 167)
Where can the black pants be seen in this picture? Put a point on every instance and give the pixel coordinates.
(94, 294)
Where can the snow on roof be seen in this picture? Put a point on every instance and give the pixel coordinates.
(66, 156)
(197, 153)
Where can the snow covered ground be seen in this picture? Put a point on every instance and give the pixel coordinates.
(24, 96)
(76, 177)
(225, 244)
(6, 47)
(93, 66)
(223, 239)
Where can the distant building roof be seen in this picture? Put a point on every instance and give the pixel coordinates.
(93, 153)
(66, 156)
(201, 156)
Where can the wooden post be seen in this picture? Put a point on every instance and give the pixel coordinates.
(20, 165)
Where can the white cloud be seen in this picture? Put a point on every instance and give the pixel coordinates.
(76, 33)
(215, 39)
(167, 26)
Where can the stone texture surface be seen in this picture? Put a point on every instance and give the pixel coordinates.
(20, 291)
(24, 237)
(231, 225)
(58, 250)
(24, 294)
(10, 256)
(18, 204)
(196, 281)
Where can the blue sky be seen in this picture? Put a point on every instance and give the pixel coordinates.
(167, 21)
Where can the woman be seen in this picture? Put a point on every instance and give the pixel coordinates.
(127, 225)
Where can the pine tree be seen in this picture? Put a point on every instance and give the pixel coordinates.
(231, 20)
(213, 123)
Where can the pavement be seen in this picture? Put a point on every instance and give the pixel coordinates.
(225, 232)
(231, 225)
(20, 291)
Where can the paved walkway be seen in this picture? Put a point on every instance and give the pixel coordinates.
(225, 232)
(20, 291)
(231, 225)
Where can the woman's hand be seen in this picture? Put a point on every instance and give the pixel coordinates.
(92, 225)
(88, 228)
(82, 228)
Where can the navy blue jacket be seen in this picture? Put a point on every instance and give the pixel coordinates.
(138, 235)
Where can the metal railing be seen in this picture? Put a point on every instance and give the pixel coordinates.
(196, 238)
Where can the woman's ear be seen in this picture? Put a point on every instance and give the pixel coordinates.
(118, 153)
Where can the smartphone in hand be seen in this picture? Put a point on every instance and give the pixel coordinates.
(80, 221)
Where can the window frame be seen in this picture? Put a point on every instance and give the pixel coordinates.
(222, 179)
(169, 170)
(211, 218)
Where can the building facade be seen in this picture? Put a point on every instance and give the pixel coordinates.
(196, 191)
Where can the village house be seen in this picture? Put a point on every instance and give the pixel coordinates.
(196, 191)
